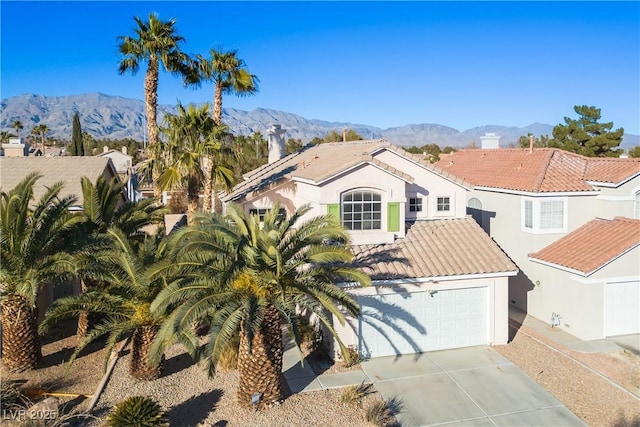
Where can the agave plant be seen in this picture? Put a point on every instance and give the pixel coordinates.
(137, 411)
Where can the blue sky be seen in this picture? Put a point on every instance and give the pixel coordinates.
(386, 64)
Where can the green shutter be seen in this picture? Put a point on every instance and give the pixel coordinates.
(334, 210)
(393, 216)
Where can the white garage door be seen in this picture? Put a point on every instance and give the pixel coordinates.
(622, 315)
(404, 323)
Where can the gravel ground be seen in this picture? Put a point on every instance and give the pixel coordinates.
(592, 398)
(191, 399)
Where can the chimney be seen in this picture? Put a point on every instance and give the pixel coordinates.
(530, 143)
(344, 135)
(490, 140)
(105, 149)
(275, 140)
(124, 150)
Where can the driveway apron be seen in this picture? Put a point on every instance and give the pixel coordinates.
(474, 386)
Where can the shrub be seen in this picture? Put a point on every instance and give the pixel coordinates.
(383, 413)
(228, 360)
(354, 393)
(353, 357)
(137, 411)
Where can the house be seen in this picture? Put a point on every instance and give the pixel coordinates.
(438, 279)
(123, 163)
(17, 148)
(537, 203)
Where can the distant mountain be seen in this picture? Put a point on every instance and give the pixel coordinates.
(114, 117)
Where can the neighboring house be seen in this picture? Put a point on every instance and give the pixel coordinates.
(68, 170)
(532, 200)
(123, 163)
(438, 280)
(17, 148)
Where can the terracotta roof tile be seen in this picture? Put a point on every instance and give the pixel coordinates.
(447, 247)
(593, 245)
(543, 170)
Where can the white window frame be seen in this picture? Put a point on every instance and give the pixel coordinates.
(371, 220)
(452, 207)
(535, 224)
(419, 205)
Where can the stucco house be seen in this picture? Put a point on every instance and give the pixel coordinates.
(439, 281)
(544, 207)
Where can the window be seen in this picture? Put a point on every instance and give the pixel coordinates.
(415, 204)
(474, 208)
(443, 204)
(528, 214)
(282, 214)
(362, 210)
(545, 215)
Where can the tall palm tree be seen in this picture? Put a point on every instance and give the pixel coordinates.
(134, 277)
(104, 207)
(229, 75)
(17, 125)
(41, 130)
(190, 152)
(157, 43)
(250, 276)
(34, 253)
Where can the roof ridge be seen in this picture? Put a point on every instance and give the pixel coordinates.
(543, 171)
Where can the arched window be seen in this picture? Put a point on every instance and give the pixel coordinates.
(474, 208)
(362, 210)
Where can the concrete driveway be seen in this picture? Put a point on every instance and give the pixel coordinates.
(474, 386)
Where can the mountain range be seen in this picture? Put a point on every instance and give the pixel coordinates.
(115, 117)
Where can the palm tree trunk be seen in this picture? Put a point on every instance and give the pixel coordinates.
(260, 368)
(208, 185)
(86, 319)
(151, 105)
(217, 104)
(193, 197)
(21, 348)
(139, 367)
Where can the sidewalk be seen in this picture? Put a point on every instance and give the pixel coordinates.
(559, 336)
(301, 378)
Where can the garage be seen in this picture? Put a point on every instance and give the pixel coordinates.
(413, 322)
(621, 308)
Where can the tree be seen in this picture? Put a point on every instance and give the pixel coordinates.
(538, 142)
(104, 208)
(41, 130)
(190, 155)
(157, 43)
(134, 278)
(431, 152)
(77, 147)
(335, 136)
(293, 145)
(229, 75)
(4, 137)
(17, 125)
(634, 152)
(249, 275)
(35, 253)
(586, 135)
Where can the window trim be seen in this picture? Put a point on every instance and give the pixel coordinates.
(417, 204)
(450, 211)
(536, 215)
(373, 221)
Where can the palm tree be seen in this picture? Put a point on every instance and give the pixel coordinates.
(41, 130)
(229, 75)
(134, 278)
(34, 253)
(157, 43)
(190, 152)
(104, 207)
(17, 125)
(4, 136)
(249, 276)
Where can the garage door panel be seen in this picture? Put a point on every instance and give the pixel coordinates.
(621, 308)
(416, 322)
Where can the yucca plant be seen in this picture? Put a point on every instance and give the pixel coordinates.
(35, 242)
(253, 277)
(137, 411)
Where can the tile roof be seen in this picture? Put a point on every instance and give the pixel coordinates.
(593, 245)
(540, 171)
(320, 162)
(440, 248)
(67, 169)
